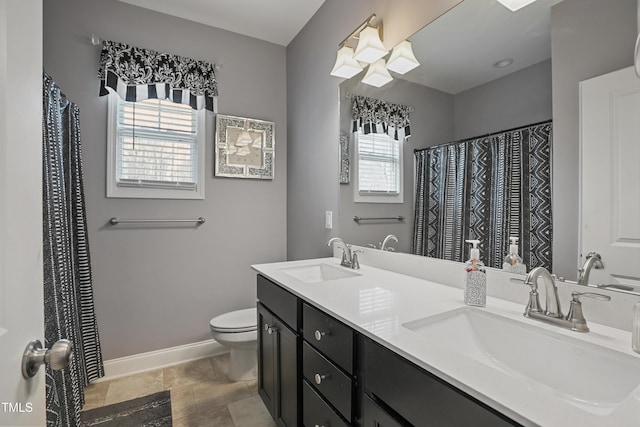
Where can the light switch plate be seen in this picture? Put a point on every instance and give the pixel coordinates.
(328, 220)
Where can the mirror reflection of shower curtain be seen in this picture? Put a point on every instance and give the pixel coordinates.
(486, 188)
(68, 288)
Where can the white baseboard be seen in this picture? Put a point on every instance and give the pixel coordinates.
(137, 363)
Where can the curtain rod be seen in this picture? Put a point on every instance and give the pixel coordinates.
(415, 150)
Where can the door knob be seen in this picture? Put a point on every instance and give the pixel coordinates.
(34, 355)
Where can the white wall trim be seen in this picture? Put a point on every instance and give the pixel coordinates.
(137, 363)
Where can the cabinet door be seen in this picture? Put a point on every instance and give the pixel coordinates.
(266, 360)
(375, 416)
(287, 374)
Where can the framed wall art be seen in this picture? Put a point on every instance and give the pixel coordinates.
(345, 165)
(244, 148)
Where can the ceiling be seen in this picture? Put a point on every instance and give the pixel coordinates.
(457, 51)
(276, 21)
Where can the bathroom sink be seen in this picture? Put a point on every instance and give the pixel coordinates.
(319, 272)
(586, 375)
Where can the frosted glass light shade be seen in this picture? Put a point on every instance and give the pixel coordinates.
(514, 5)
(377, 75)
(370, 47)
(345, 67)
(402, 58)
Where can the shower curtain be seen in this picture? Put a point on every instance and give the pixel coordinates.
(68, 288)
(486, 188)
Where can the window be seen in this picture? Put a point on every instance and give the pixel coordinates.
(379, 169)
(156, 150)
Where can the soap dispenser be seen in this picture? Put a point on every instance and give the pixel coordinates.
(512, 261)
(475, 285)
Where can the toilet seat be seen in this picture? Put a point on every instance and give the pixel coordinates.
(235, 321)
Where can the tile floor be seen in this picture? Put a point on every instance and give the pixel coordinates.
(201, 394)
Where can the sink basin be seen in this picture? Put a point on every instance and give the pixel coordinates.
(319, 273)
(586, 375)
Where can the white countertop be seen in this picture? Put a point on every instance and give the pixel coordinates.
(378, 302)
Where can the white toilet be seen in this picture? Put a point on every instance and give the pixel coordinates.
(238, 331)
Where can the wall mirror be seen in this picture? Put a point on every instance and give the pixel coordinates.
(484, 69)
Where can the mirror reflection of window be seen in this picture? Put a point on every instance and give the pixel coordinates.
(379, 168)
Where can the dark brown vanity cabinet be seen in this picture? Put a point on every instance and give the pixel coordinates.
(279, 383)
(314, 370)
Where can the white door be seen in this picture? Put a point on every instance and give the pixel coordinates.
(22, 402)
(610, 176)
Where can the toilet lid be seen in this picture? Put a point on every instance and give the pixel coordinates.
(236, 321)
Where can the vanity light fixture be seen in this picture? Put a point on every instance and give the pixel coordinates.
(370, 47)
(514, 5)
(377, 74)
(346, 67)
(402, 59)
(370, 50)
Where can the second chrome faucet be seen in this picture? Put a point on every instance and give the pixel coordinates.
(349, 257)
(553, 312)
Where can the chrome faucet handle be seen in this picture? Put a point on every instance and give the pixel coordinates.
(576, 315)
(576, 296)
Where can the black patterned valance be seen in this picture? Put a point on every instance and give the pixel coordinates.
(137, 74)
(377, 116)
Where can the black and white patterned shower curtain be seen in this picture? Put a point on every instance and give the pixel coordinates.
(486, 188)
(68, 289)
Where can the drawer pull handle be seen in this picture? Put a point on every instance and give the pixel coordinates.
(320, 377)
(270, 328)
(320, 334)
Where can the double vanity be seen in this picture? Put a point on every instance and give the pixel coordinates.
(375, 347)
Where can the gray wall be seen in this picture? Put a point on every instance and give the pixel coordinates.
(431, 124)
(157, 287)
(588, 38)
(518, 99)
(312, 109)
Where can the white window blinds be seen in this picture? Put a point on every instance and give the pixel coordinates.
(378, 164)
(156, 145)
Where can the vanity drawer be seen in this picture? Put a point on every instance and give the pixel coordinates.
(332, 338)
(420, 397)
(316, 411)
(279, 301)
(328, 379)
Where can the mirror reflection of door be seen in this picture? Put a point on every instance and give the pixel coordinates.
(610, 177)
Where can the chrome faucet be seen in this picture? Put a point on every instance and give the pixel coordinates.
(553, 313)
(349, 257)
(551, 293)
(383, 246)
(593, 260)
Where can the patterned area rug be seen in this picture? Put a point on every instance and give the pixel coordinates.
(148, 411)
